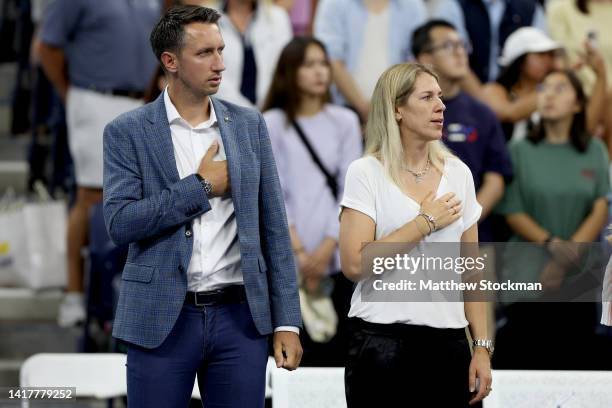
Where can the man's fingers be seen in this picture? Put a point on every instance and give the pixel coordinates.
(292, 350)
(278, 354)
(212, 150)
(291, 362)
(287, 350)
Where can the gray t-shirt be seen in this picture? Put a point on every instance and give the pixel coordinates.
(106, 43)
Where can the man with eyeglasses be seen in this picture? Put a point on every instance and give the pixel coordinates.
(471, 129)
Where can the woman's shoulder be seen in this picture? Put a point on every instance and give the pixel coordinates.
(366, 166)
(523, 145)
(341, 113)
(597, 146)
(274, 115)
(455, 166)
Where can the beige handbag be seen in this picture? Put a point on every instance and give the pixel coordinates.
(320, 318)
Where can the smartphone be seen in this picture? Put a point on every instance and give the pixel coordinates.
(592, 38)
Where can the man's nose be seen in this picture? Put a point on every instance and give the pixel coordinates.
(218, 65)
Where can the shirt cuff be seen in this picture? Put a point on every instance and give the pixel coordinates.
(293, 329)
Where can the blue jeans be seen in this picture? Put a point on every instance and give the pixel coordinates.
(220, 343)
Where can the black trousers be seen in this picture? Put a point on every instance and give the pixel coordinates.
(400, 365)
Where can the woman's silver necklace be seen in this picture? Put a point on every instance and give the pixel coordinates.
(418, 175)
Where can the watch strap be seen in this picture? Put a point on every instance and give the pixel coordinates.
(205, 184)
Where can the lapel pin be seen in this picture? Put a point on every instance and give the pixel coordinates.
(226, 118)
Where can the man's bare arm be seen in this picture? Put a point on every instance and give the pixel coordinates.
(53, 61)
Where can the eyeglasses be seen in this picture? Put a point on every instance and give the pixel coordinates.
(556, 89)
(452, 46)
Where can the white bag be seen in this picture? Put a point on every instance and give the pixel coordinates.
(33, 245)
(12, 247)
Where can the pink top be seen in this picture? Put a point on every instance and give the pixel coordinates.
(301, 15)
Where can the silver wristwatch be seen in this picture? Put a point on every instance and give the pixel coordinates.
(486, 343)
(205, 184)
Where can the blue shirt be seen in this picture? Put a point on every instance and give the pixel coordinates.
(496, 10)
(106, 42)
(338, 22)
(450, 10)
(473, 133)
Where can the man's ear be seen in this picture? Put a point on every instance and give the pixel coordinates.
(169, 61)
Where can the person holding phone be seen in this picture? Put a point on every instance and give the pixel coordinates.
(573, 23)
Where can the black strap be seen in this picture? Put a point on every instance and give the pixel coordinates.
(331, 180)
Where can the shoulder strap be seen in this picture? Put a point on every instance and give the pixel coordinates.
(331, 181)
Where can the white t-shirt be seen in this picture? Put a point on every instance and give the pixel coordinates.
(369, 190)
(374, 55)
(606, 306)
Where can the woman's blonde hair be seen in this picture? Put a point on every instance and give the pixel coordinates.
(382, 134)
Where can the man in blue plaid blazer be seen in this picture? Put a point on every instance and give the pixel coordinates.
(191, 184)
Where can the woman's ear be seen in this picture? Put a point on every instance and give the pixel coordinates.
(398, 115)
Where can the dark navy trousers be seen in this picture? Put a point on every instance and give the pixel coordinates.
(220, 343)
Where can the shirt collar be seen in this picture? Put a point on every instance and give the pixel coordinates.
(173, 114)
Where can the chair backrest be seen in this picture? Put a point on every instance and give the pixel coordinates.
(308, 387)
(555, 389)
(100, 375)
(95, 375)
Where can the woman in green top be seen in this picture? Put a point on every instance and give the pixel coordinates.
(558, 196)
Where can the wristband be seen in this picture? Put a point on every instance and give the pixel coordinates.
(426, 223)
(430, 219)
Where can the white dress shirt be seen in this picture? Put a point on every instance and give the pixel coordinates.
(215, 260)
(268, 33)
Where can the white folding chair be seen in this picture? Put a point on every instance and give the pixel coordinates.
(308, 387)
(95, 375)
(100, 375)
(550, 389)
(269, 366)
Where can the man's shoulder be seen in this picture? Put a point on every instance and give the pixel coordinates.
(133, 117)
(242, 112)
(479, 109)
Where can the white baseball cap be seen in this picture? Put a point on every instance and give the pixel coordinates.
(523, 41)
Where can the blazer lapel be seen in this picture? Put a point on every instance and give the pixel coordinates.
(228, 130)
(161, 139)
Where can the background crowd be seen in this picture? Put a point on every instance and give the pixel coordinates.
(528, 96)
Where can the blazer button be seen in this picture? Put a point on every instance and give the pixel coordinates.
(188, 233)
(181, 268)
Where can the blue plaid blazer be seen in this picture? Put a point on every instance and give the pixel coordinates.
(147, 206)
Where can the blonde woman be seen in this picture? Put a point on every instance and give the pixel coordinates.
(406, 180)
